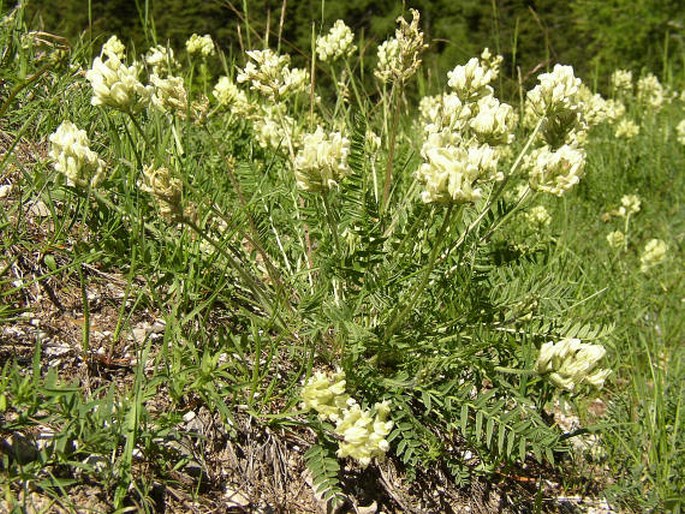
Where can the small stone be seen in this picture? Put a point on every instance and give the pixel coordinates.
(189, 416)
(38, 208)
(236, 498)
(5, 190)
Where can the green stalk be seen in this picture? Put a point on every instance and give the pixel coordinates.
(394, 325)
(331, 222)
(395, 106)
(85, 336)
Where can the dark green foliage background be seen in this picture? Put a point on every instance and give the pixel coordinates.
(596, 36)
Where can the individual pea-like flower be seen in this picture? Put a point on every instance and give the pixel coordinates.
(71, 155)
(400, 57)
(116, 85)
(170, 95)
(653, 254)
(113, 47)
(680, 132)
(453, 173)
(616, 239)
(322, 160)
(569, 364)
(364, 433)
(555, 171)
(166, 189)
(161, 60)
(626, 129)
(270, 75)
(622, 82)
(202, 45)
(472, 80)
(228, 95)
(493, 122)
(337, 43)
(630, 204)
(325, 393)
(539, 217)
(651, 93)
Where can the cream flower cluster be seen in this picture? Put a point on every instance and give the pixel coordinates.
(626, 129)
(161, 60)
(115, 84)
(597, 109)
(651, 93)
(169, 95)
(337, 43)
(166, 189)
(202, 45)
(680, 132)
(570, 363)
(622, 83)
(556, 103)
(325, 393)
(466, 132)
(270, 74)
(653, 254)
(473, 79)
(229, 95)
(273, 127)
(71, 155)
(451, 173)
(616, 239)
(555, 171)
(539, 216)
(321, 161)
(113, 47)
(630, 204)
(400, 57)
(558, 92)
(362, 433)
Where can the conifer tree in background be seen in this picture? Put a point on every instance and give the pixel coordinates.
(531, 34)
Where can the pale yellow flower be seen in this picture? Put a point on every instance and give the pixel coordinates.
(630, 204)
(322, 160)
(202, 45)
(337, 43)
(616, 239)
(569, 363)
(229, 95)
(399, 57)
(539, 216)
(555, 171)
(165, 188)
(117, 85)
(626, 129)
(653, 254)
(364, 433)
(71, 155)
(325, 394)
(622, 82)
(269, 74)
